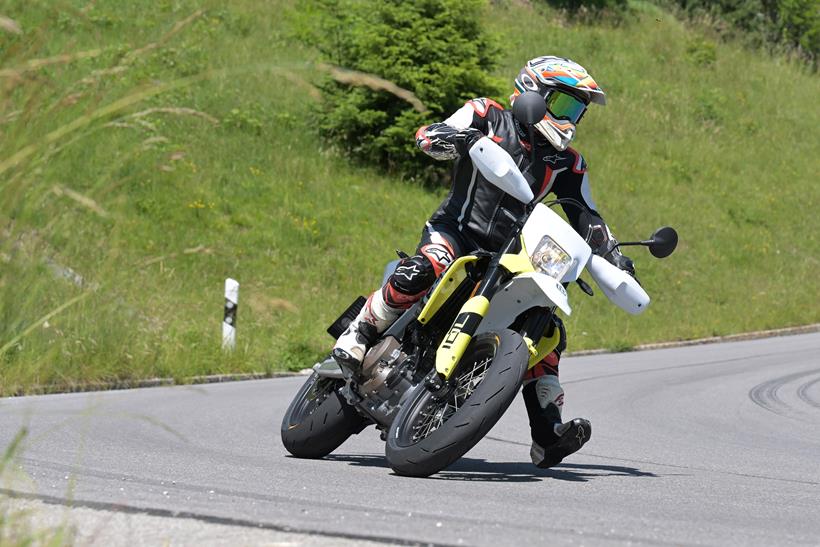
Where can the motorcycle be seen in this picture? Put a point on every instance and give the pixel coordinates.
(444, 373)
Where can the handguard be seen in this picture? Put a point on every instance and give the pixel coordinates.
(499, 168)
(620, 287)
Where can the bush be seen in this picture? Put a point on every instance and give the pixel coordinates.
(590, 5)
(437, 49)
(798, 24)
(791, 23)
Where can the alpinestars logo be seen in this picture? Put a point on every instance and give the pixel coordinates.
(553, 159)
(408, 272)
(438, 255)
(581, 435)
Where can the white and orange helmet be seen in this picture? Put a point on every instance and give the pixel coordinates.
(567, 89)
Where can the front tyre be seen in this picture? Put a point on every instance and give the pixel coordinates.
(318, 419)
(428, 435)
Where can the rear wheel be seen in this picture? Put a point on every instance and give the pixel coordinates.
(429, 434)
(319, 419)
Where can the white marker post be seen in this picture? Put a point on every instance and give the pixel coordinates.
(229, 319)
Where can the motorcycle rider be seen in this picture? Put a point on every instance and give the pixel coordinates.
(472, 217)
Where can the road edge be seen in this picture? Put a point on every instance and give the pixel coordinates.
(755, 335)
(220, 378)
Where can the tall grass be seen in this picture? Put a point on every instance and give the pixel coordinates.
(150, 150)
(151, 193)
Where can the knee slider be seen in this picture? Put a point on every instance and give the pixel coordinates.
(413, 275)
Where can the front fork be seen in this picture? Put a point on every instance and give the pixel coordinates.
(455, 343)
(458, 338)
(452, 348)
(469, 317)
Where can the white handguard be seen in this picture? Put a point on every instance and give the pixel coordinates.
(620, 287)
(499, 168)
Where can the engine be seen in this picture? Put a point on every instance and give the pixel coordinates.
(387, 380)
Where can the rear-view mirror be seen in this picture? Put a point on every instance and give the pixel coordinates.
(663, 242)
(529, 108)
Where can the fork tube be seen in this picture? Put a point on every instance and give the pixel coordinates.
(469, 317)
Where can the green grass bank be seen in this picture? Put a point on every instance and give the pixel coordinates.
(149, 150)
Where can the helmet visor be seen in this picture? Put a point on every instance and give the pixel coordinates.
(565, 107)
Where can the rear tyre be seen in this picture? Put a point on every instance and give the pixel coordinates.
(319, 419)
(428, 435)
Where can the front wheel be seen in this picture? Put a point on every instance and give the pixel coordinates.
(319, 420)
(428, 434)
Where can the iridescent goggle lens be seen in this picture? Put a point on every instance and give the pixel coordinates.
(565, 107)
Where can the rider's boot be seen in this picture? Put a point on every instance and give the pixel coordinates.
(552, 440)
(373, 319)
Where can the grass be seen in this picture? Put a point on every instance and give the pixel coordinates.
(157, 148)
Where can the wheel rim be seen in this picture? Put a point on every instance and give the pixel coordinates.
(319, 390)
(428, 414)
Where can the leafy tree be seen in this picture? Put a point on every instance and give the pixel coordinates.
(438, 49)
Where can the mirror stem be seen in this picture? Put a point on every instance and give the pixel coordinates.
(531, 132)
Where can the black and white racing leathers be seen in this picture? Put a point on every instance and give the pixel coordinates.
(473, 206)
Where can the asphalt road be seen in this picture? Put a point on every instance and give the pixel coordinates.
(716, 444)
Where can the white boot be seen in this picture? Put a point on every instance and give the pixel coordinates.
(373, 319)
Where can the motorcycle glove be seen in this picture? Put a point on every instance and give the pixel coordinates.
(622, 261)
(464, 140)
(603, 244)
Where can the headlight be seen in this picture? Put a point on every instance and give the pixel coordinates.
(549, 258)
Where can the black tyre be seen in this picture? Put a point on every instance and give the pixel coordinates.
(428, 435)
(319, 420)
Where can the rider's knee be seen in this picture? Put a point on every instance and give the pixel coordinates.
(411, 279)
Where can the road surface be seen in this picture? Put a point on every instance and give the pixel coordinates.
(710, 445)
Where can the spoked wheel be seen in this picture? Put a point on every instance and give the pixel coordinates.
(429, 434)
(431, 413)
(318, 419)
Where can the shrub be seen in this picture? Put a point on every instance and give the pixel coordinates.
(798, 24)
(590, 5)
(437, 49)
(791, 23)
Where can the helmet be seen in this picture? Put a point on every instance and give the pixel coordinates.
(567, 89)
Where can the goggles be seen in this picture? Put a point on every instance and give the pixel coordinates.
(564, 107)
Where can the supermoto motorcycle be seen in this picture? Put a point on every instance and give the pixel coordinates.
(445, 372)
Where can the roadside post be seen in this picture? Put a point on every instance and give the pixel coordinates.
(229, 317)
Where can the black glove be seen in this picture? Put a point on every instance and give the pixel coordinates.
(465, 140)
(622, 261)
(602, 244)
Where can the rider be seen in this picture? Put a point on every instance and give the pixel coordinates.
(471, 218)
